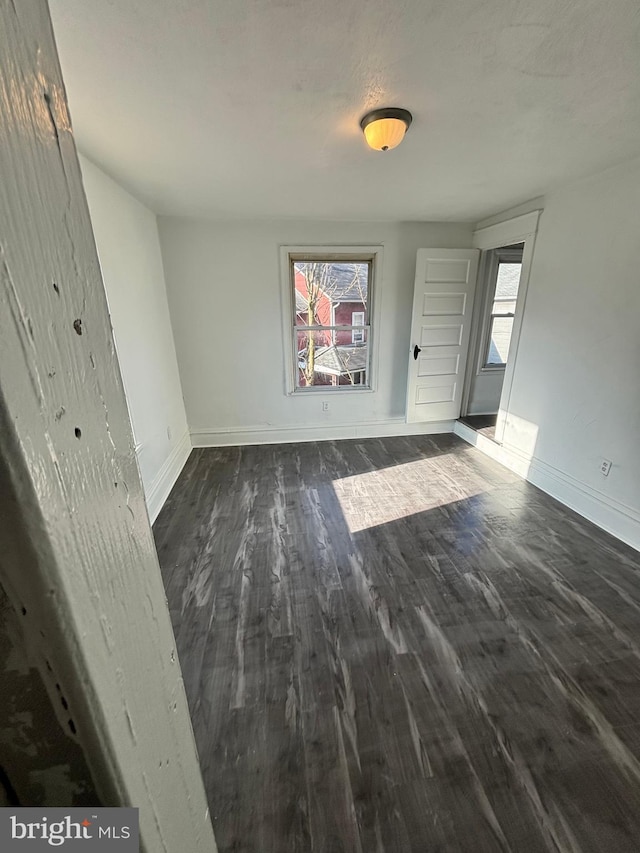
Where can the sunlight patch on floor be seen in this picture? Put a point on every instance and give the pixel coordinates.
(389, 494)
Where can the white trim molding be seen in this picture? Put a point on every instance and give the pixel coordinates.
(507, 233)
(166, 477)
(79, 563)
(266, 434)
(520, 229)
(617, 518)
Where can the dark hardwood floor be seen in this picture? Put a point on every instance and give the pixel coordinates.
(397, 645)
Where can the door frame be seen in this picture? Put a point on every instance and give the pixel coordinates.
(483, 318)
(487, 273)
(77, 556)
(520, 229)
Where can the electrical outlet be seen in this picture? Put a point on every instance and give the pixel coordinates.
(325, 406)
(605, 467)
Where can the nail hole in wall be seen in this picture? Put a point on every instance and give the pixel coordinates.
(56, 288)
(78, 432)
(77, 325)
(72, 727)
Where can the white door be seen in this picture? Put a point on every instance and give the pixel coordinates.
(442, 309)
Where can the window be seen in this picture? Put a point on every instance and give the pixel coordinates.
(506, 268)
(329, 295)
(357, 319)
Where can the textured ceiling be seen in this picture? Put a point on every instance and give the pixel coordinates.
(250, 108)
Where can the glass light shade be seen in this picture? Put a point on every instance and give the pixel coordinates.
(385, 133)
(384, 128)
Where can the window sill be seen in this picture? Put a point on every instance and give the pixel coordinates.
(499, 368)
(332, 392)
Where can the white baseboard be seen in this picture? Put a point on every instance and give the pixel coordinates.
(167, 476)
(204, 437)
(519, 463)
(617, 518)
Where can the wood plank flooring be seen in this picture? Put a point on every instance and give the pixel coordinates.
(397, 645)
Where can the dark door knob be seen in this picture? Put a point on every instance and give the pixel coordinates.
(416, 350)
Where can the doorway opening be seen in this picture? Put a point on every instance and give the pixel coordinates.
(493, 324)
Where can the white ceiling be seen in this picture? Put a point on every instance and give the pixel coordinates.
(250, 108)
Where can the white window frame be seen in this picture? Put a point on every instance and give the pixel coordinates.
(322, 252)
(496, 257)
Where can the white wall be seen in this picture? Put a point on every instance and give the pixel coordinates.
(485, 391)
(576, 390)
(223, 282)
(129, 250)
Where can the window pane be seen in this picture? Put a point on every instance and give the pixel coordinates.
(506, 288)
(323, 359)
(501, 328)
(328, 293)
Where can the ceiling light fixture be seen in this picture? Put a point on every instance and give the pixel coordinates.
(385, 129)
